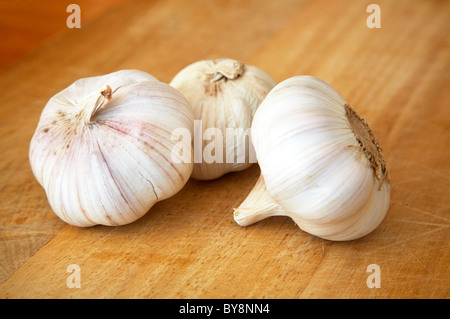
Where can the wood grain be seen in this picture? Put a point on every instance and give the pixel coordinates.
(25, 25)
(189, 245)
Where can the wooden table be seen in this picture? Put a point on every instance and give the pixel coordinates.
(189, 246)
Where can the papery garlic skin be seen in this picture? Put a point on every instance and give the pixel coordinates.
(224, 94)
(313, 166)
(102, 148)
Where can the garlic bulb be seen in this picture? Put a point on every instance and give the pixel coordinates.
(320, 163)
(102, 149)
(224, 95)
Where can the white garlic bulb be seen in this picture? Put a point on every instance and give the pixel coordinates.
(224, 95)
(320, 163)
(102, 149)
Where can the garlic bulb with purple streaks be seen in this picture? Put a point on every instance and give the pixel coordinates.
(320, 163)
(102, 149)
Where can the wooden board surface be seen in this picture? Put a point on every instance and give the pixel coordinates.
(189, 245)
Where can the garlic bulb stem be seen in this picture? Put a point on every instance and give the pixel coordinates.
(227, 69)
(257, 206)
(92, 104)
